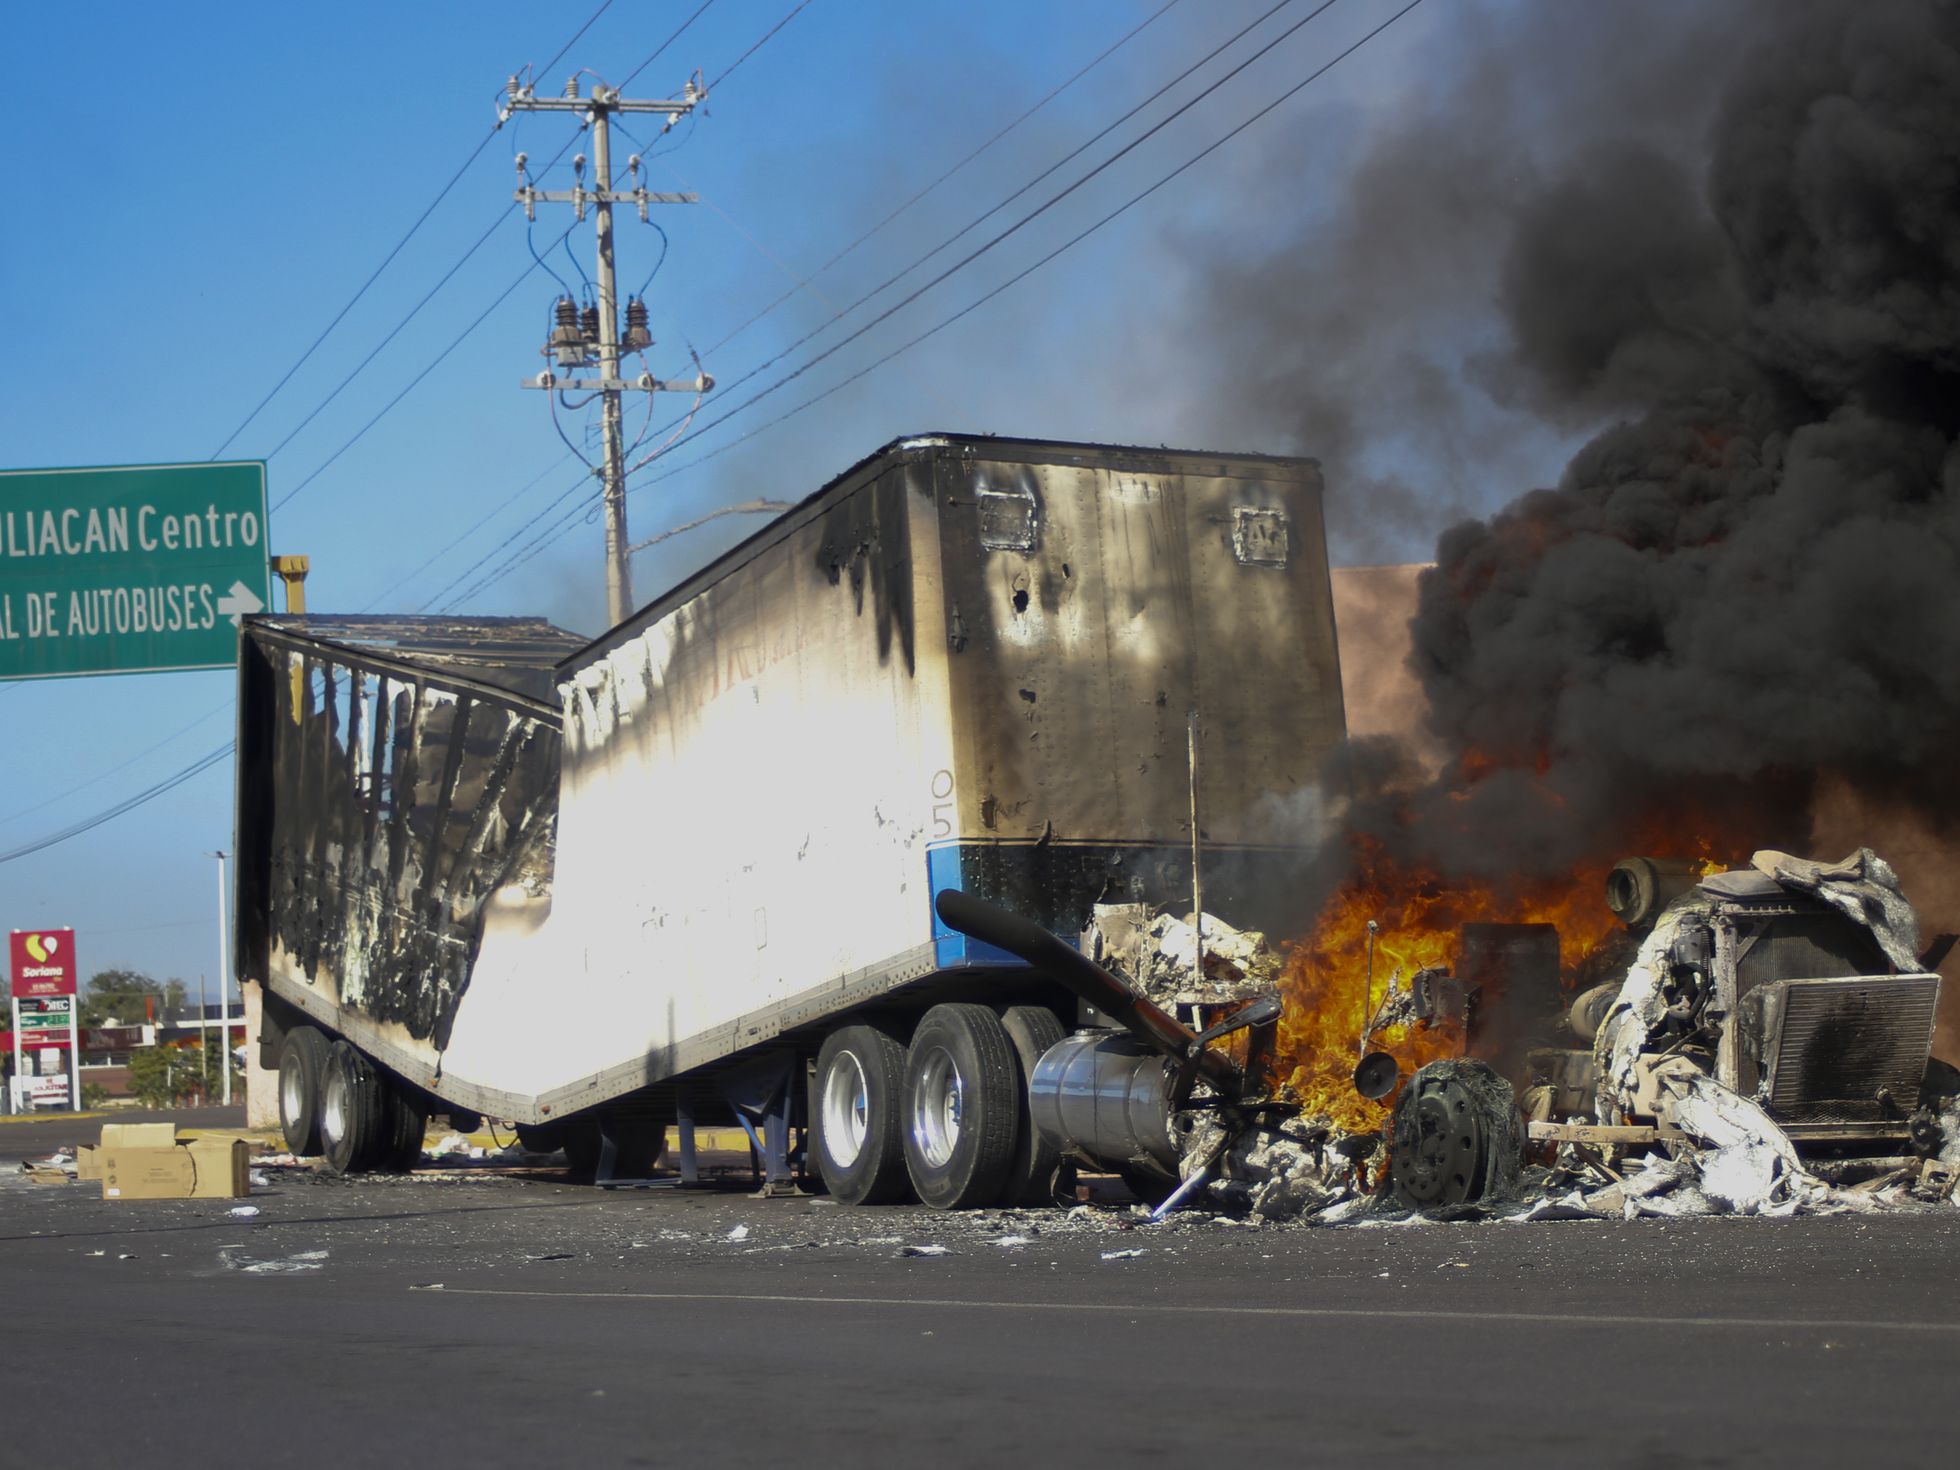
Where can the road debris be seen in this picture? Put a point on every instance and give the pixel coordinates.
(284, 1265)
(924, 1250)
(1158, 954)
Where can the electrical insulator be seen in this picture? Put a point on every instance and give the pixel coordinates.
(512, 89)
(637, 338)
(571, 86)
(588, 322)
(565, 344)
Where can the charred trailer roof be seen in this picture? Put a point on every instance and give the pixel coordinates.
(392, 773)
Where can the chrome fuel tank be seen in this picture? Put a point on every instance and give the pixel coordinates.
(1104, 1095)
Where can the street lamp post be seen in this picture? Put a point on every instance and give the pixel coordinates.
(224, 981)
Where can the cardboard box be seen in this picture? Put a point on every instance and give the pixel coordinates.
(88, 1162)
(138, 1135)
(149, 1161)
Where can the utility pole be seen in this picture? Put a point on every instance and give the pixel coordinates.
(581, 338)
(224, 989)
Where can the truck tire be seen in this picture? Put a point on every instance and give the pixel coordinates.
(960, 1107)
(302, 1058)
(856, 1128)
(353, 1109)
(404, 1127)
(1036, 1175)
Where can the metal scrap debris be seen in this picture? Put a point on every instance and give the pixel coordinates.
(1158, 954)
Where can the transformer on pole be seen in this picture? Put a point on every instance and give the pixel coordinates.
(594, 336)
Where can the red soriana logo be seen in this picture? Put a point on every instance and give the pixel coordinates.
(43, 962)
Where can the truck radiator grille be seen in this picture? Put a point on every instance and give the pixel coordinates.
(1833, 1046)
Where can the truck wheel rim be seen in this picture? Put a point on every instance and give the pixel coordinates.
(846, 1110)
(937, 1103)
(292, 1091)
(333, 1108)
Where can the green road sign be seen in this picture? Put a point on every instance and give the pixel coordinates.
(129, 569)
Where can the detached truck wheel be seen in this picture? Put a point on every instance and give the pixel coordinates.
(1456, 1136)
(1037, 1175)
(856, 1132)
(302, 1059)
(960, 1106)
(353, 1111)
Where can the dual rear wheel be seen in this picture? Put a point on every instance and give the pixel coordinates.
(944, 1117)
(335, 1103)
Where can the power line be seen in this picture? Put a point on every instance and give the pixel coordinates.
(560, 54)
(658, 50)
(389, 258)
(558, 528)
(1057, 91)
(104, 775)
(380, 413)
(1066, 245)
(129, 804)
(393, 333)
(475, 526)
(205, 762)
(729, 70)
(892, 280)
(1018, 225)
(1074, 240)
(579, 484)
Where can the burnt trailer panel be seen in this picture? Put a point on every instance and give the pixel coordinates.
(966, 663)
(394, 775)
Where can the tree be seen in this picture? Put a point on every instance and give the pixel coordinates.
(152, 1080)
(171, 1076)
(125, 996)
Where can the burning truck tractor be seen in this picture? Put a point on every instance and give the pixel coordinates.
(1765, 1048)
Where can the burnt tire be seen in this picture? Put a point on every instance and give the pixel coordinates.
(960, 1107)
(856, 1128)
(1037, 1174)
(353, 1111)
(404, 1127)
(1456, 1136)
(302, 1060)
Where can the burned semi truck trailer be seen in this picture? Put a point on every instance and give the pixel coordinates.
(694, 863)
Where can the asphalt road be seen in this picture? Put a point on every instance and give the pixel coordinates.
(529, 1322)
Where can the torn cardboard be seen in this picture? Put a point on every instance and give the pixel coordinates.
(149, 1161)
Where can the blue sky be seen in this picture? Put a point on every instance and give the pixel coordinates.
(195, 193)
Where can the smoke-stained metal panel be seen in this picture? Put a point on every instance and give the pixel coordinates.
(396, 788)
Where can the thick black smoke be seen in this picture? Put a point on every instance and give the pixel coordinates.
(1751, 578)
(1757, 579)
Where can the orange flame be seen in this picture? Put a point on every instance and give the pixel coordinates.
(1325, 985)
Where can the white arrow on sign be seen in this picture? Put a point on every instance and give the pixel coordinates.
(241, 601)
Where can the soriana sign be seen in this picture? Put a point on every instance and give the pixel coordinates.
(43, 962)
